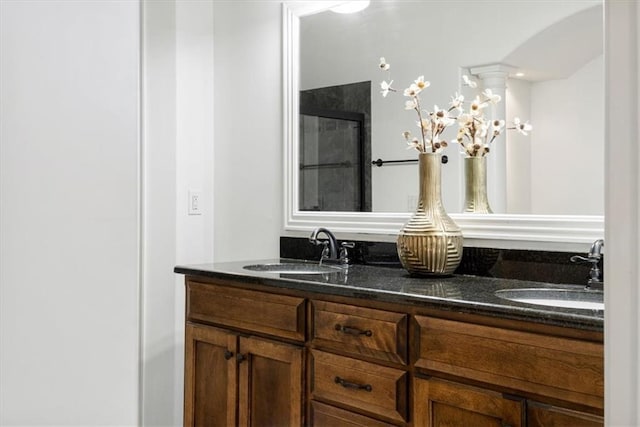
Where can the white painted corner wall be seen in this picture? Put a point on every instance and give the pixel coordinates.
(248, 167)
(69, 213)
(622, 203)
(178, 156)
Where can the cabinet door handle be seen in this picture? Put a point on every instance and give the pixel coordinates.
(347, 384)
(228, 354)
(240, 357)
(353, 331)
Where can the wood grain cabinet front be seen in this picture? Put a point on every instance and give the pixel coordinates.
(374, 389)
(256, 356)
(443, 403)
(543, 415)
(234, 380)
(272, 314)
(360, 331)
(562, 368)
(329, 416)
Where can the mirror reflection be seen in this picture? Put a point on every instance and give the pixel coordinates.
(554, 78)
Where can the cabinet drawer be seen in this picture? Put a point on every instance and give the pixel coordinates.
(328, 416)
(360, 331)
(567, 369)
(372, 388)
(254, 311)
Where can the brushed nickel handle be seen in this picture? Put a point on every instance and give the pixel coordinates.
(353, 331)
(347, 384)
(228, 354)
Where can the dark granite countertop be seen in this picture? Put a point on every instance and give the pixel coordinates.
(470, 294)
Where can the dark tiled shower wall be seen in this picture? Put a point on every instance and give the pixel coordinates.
(539, 266)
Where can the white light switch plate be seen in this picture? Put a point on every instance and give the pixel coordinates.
(195, 202)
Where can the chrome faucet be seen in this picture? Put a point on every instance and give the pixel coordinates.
(330, 250)
(593, 257)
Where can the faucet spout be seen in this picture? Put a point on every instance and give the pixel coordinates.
(596, 249)
(333, 242)
(593, 257)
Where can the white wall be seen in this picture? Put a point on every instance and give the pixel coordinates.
(248, 132)
(160, 394)
(178, 153)
(622, 227)
(69, 164)
(567, 144)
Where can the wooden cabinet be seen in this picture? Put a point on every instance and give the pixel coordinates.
(542, 415)
(444, 403)
(211, 376)
(374, 389)
(233, 377)
(235, 380)
(257, 355)
(359, 333)
(563, 368)
(322, 415)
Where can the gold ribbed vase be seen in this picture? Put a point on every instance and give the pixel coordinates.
(430, 244)
(475, 194)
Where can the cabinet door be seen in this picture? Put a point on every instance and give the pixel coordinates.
(540, 415)
(328, 416)
(270, 375)
(440, 403)
(210, 380)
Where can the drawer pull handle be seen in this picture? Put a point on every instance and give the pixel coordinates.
(353, 331)
(347, 384)
(228, 354)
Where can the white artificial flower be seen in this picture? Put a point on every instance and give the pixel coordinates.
(465, 120)
(410, 104)
(496, 127)
(523, 128)
(412, 90)
(476, 106)
(456, 102)
(442, 116)
(421, 83)
(468, 82)
(383, 64)
(491, 97)
(386, 87)
(425, 124)
(414, 143)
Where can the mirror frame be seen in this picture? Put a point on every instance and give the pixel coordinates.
(534, 232)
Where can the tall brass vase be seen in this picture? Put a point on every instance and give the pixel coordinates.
(430, 244)
(475, 195)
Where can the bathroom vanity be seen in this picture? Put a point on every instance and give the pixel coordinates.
(371, 346)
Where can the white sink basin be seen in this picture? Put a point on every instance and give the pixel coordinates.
(585, 299)
(293, 268)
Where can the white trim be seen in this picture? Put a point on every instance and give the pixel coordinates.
(551, 232)
(142, 225)
(622, 208)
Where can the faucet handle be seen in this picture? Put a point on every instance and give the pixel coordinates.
(583, 260)
(344, 255)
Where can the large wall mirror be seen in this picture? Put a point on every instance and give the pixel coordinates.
(547, 188)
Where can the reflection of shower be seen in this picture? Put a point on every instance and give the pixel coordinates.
(331, 160)
(335, 148)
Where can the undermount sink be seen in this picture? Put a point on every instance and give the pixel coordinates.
(293, 268)
(581, 298)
